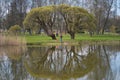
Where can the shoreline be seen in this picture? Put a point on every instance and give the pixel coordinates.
(109, 42)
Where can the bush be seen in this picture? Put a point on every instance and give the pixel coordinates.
(112, 29)
(15, 29)
(117, 30)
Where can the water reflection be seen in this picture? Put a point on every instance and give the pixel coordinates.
(11, 63)
(60, 62)
(71, 62)
(83, 62)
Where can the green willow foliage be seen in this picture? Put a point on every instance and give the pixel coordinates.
(73, 17)
(15, 29)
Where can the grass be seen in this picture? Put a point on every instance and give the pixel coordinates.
(43, 39)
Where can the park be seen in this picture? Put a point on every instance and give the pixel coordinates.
(59, 40)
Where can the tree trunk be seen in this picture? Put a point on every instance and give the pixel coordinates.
(49, 33)
(53, 36)
(30, 31)
(39, 31)
(72, 35)
(108, 14)
(91, 34)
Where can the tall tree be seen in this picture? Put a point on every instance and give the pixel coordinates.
(16, 13)
(75, 18)
(44, 17)
(4, 6)
(110, 4)
(12, 16)
(102, 10)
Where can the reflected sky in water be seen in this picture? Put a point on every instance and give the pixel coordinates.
(115, 65)
(81, 62)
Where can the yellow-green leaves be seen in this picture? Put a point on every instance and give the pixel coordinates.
(76, 17)
(112, 29)
(15, 29)
(38, 15)
(73, 17)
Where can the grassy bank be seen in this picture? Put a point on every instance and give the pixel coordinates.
(43, 39)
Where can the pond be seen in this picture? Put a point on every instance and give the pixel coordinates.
(63, 62)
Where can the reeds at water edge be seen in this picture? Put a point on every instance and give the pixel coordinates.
(11, 40)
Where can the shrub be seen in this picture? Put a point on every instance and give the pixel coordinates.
(15, 29)
(117, 30)
(112, 29)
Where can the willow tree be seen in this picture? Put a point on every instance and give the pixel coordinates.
(76, 17)
(89, 23)
(71, 63)
(73, 17)
(15, 29)
(42, 16)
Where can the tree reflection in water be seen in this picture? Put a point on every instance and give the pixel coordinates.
(83, 62)
(11, 66)
(61, 62)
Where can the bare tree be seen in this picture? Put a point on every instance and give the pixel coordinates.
(110, 3)
(16, 12)
(4, 6)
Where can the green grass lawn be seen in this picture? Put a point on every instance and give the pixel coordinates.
(44, 39)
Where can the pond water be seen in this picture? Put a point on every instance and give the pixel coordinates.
(80, 62)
